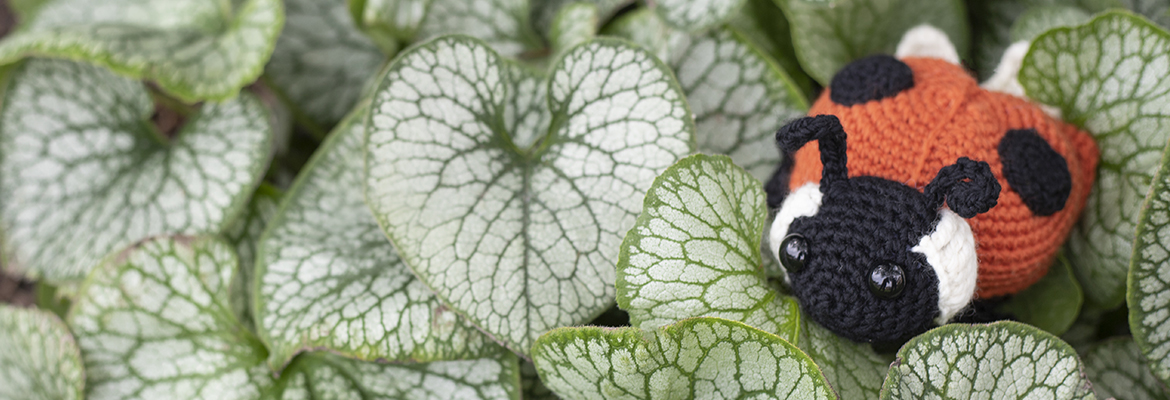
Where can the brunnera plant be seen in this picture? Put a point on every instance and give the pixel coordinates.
(501, 199)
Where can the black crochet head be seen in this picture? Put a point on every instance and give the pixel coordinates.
(850, 260)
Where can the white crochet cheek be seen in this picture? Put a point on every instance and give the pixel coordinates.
(950, 251)
(805, 201)
(928, 42)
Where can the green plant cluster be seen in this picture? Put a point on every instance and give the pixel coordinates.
(435, 199)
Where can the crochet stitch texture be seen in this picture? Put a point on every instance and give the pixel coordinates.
(909, 136)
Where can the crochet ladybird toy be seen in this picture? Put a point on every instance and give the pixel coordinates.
(860, 226)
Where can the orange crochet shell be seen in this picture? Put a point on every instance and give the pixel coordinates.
(946, 115)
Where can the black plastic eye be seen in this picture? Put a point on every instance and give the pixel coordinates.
(886, 280)
(793, 252)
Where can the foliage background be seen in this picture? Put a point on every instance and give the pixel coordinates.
(257, 140)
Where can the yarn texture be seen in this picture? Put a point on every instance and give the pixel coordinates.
(908, 137)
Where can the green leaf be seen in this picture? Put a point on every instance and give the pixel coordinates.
(991, 26)
(574, 24)
(545, 11)
(738, 95)
(829, 34)
(739, 98)
(327, 278)
(694, 251)
(534, 388)
(193, 49)
(502, 24)
(244, 235)
(1037, 20)
(700, 358)
(155, 321)
(1051, 304)
(645, 28)
(1157, 11)
(1149, 275)
(997, 361)
(854, 370)
(397, 19)
(322, 62)
(39, 359)
(1117, 370)
(1108, 77)
(696, 15)
(85, 172)
(328, 376)
(519, 238)
(764, 23)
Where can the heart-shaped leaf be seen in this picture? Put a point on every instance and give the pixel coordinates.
(738, 95)
(155, 321)
(193, 49)
(322, 62)
(1052, 303)
(854, 370)
(694, 251)
(39, 360)
(327, 278)
(1004, 360)
(1118, 370)
(829, 34)
(244, 235)
(696, 15)
(1149, 275)
(1108, 77)
(328, 376)
(699, 358)
(519, 235)
(83, 172)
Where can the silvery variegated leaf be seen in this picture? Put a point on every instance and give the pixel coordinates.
(327, 277)
(155, 321)
(574, 24)
(854, 370)
(322, 62)
(694, 252)
(193, 49)
(696, 15)
(1003, 360)
(739, 96)
(502, 24)
(1108, 77)
(1117, 369)
(329, 376)
(244, 234)
(39, 360)
(699, 358)
(508, 194)
(1148, 287)
(83, 171)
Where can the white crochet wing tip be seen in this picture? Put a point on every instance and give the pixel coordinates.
(950, 251)
(927, 41)
(1005, 79)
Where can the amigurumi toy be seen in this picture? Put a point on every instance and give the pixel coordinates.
(866, 244)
